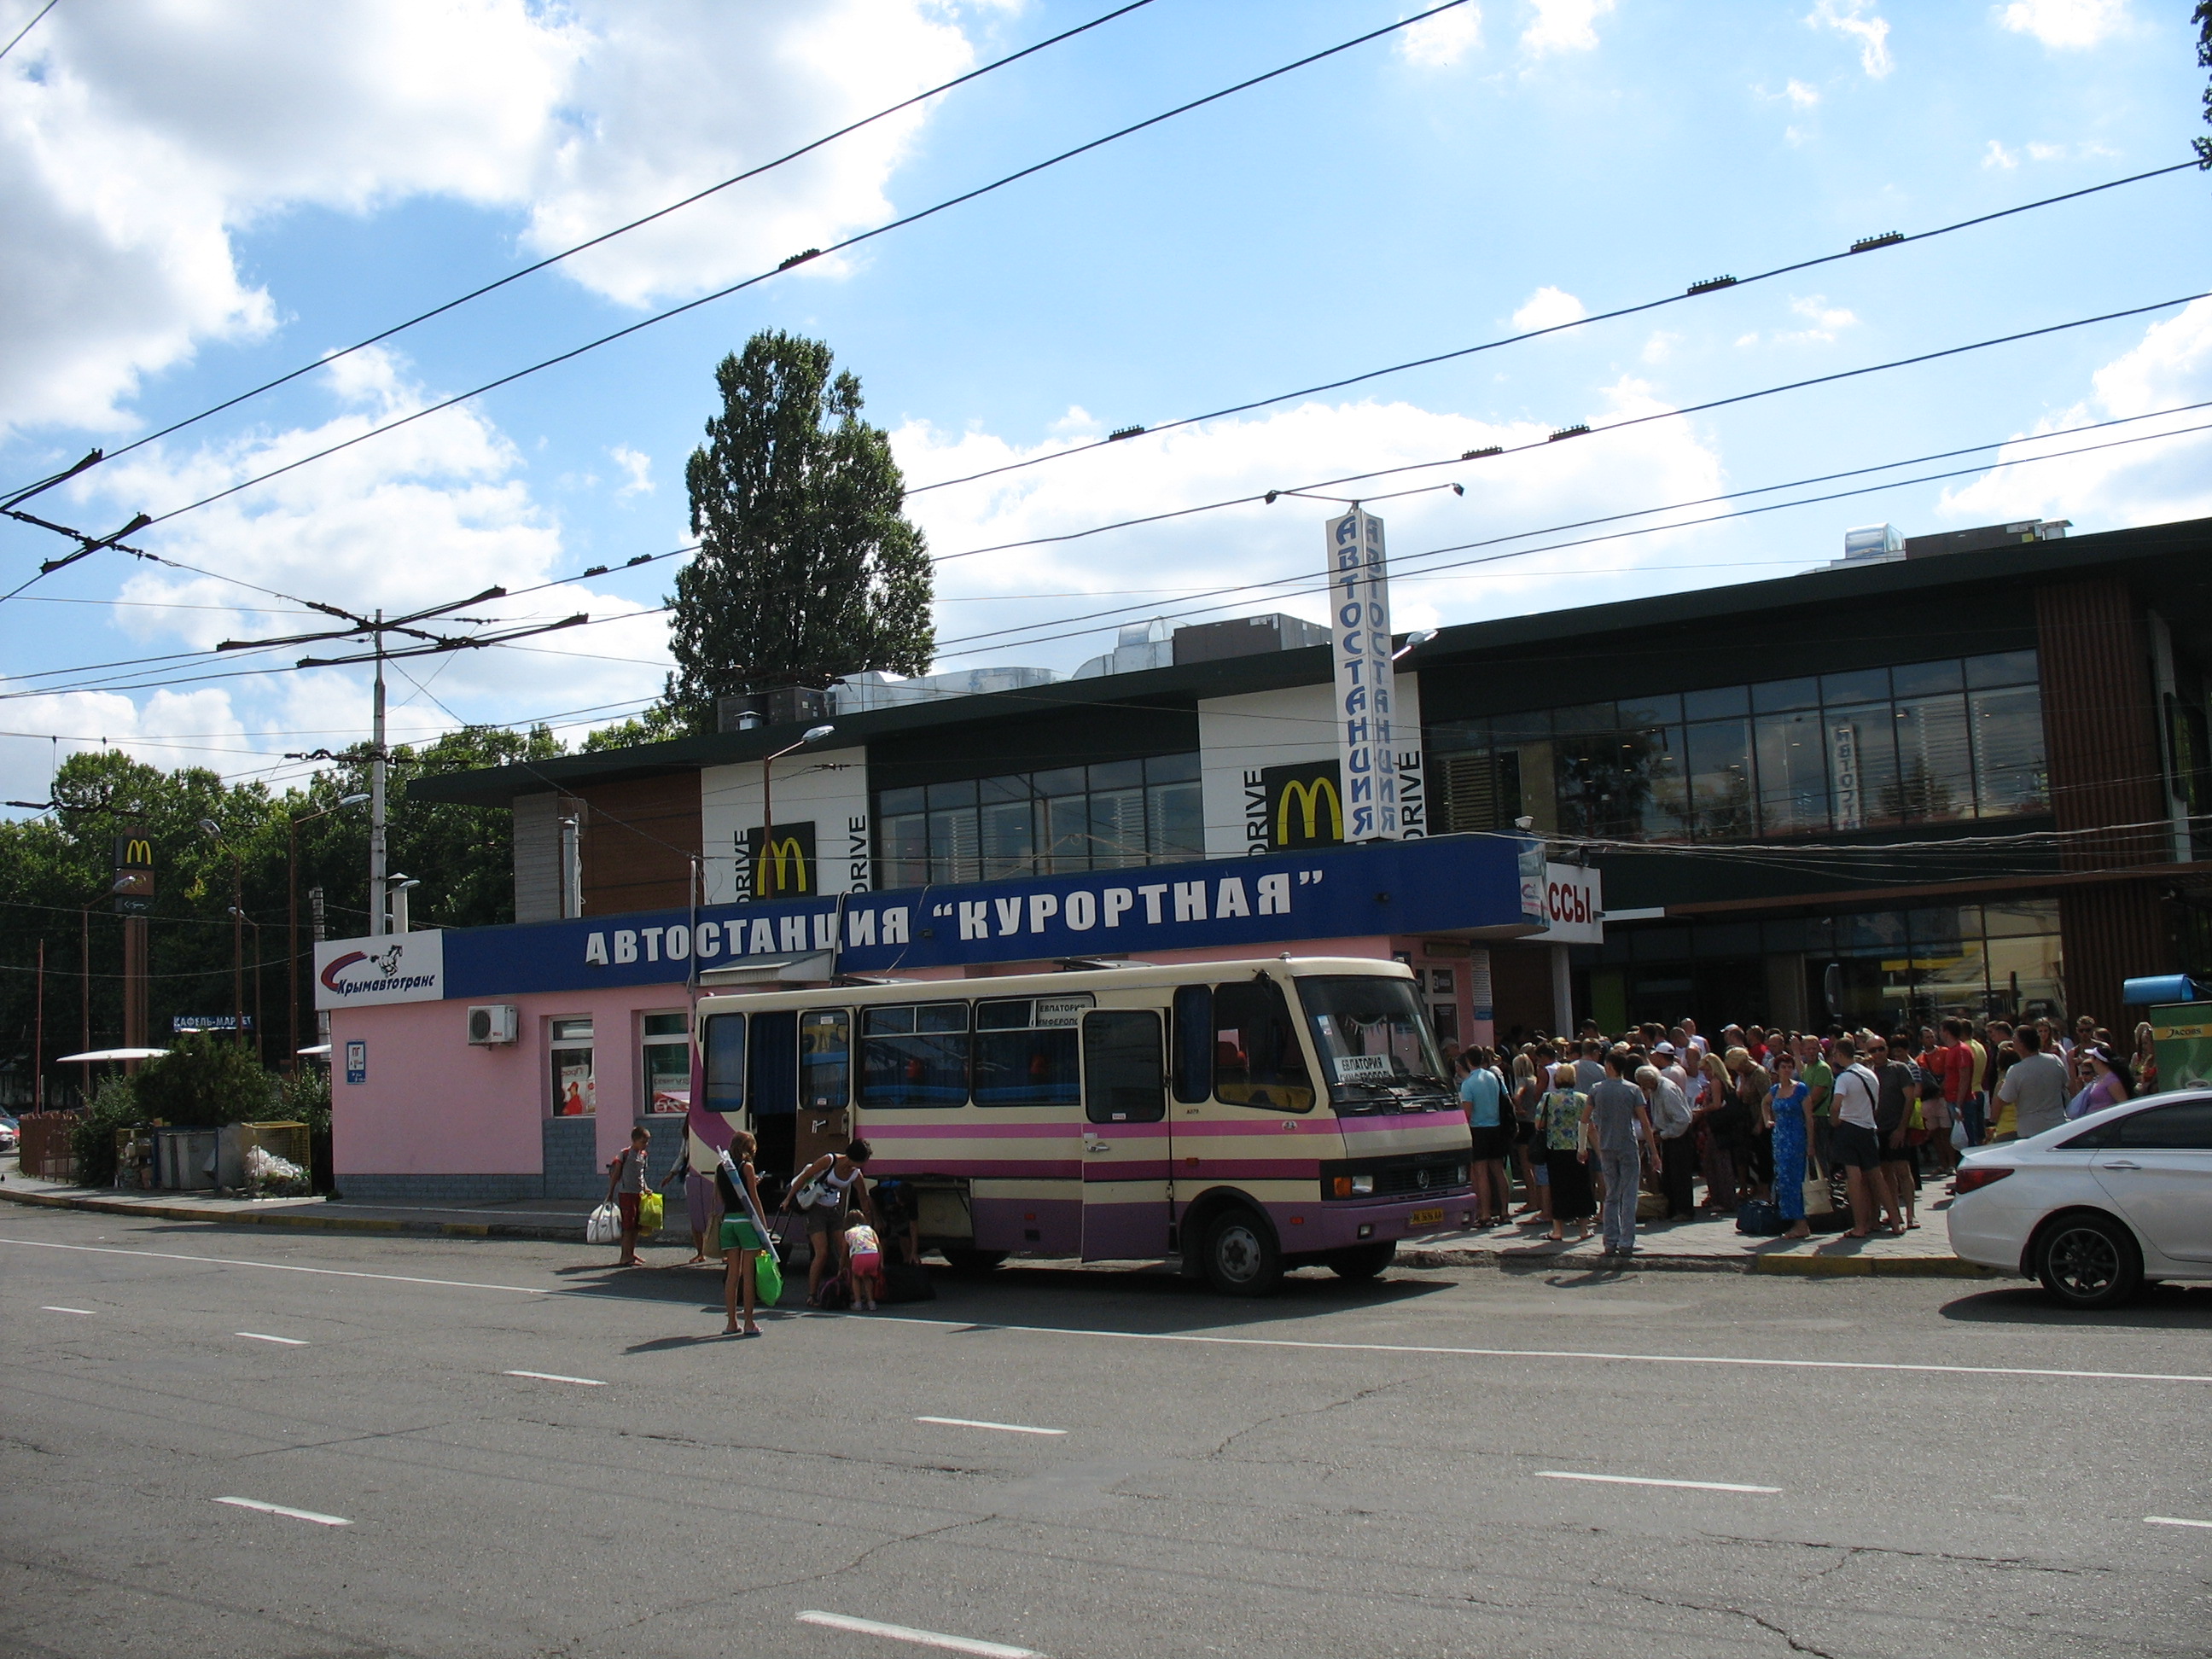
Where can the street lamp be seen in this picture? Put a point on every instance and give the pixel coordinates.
(399, 885)
(256, 927)
(292, 913)
(213, 831)
(761, 865)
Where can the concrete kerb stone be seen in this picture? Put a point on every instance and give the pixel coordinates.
(103, 1204)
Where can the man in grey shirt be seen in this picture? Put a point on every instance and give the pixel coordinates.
(1589, 1071)
(1617, 1115)
(2035, 1086)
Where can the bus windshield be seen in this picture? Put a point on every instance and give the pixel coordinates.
(1374, 1042)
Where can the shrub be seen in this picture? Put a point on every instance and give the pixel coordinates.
(203, 1083)
(114, 1105)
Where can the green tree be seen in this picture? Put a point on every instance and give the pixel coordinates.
(203, 1082)
(808, 568)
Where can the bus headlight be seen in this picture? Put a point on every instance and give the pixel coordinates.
(1362, 1186)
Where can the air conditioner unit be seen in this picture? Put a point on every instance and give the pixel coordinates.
(491, 1023)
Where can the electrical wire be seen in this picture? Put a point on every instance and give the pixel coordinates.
(853, 241)
(1696, 291)
(29, 27)
(552, 260)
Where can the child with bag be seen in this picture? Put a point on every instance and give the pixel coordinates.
(627, 1189)
(753, 1270)
(864, 1265)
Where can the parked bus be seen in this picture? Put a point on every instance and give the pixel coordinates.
(1246, 1116)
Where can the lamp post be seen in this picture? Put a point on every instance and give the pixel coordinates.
(291, 913)
(761, 867)
(213, 831)
(256, 927)
(399, 885)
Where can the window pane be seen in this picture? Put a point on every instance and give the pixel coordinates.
(1257, 1060)
(905, 843)
(1122, 1079)
(574, 1095)
(1016, 788)
(2018, 917)
(1117, 775)
(1584, 718)
(1023, 1067)
(941, 1017)
(1592, 786)
(1934, 771)
(1720, 779)
(928, 1068)
(1863, 762)
(1718, 702)
(825, 1058)
(2003, 668)
(2025, 976)
(886, 1022)
(1171, 769)
(1860, 686)
(1009, 839)
(1658, 754)
(667, 1076)
(1068, 834)
(1178, 820)
(1533, 726)
(1117, 829)
(952, 795)
(1662, 710)
(667, 1025)
(572, 1030)
(1921, 679)
(1793, 775)
(892, 802)
(2008, 762)
(1067, 780)
(1775, 696)
(726, 1062)
(2185, 1127)
(954, 854)
(1193, 1040)
(1454, 736)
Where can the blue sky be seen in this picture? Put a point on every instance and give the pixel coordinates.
(208, 194)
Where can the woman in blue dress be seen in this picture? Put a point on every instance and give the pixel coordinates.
(1789, 1114)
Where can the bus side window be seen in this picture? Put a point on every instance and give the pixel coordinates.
(725, 1043)
(1193, 1043)
(825, 1059)
(1121, 1066)
(1256, 1058)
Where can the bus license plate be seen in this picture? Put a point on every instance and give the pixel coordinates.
(1426, 1219)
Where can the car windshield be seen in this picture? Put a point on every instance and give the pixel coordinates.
(1374, 1040)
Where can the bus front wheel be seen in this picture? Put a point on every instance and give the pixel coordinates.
(1242, 1257)
(1363, 1261)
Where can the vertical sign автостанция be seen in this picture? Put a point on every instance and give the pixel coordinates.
(1359, 641)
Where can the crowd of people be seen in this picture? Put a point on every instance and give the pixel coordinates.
(1580, 1130)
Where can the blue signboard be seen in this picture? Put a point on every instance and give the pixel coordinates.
(357, 1061)
(1439, 883)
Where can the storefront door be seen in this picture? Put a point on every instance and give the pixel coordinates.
(1127, 1148)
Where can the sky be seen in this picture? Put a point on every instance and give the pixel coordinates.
(201, 195)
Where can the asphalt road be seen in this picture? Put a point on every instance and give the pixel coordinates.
(1344, 1470)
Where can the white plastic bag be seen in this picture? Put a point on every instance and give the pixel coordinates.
(1959, 1134)
(604, 1226)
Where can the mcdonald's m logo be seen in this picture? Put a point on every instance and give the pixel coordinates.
(1305, 804)
(786, 869)
(134, 850)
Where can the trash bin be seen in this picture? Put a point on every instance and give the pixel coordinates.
(187, 1159)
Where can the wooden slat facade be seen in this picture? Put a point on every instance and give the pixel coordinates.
(639, 839)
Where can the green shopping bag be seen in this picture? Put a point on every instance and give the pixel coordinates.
(768, 1279)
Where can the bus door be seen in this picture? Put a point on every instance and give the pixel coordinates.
(772, 1089)
(1126, 1155)
(824, 1122)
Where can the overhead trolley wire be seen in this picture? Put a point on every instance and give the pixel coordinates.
(809, 254)
(552, 260)
(1696, 290)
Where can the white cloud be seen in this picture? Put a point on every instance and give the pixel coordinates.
(1579, 478)
(637, 467)
(1660, 348)
(1998, 157)
(1826, 320)
(200, 728)
(1440, 42)
(1801, 94)
(1548, 307)
(2140, 483)
(2065, 23)
(1856, 19)
(1564, 25)
(135, 142)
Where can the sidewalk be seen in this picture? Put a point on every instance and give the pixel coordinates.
(1686, 1247)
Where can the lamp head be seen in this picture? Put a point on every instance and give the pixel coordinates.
(351, 800)
(209, 827)
(816, 733)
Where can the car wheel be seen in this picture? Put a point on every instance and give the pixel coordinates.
(1363, 1261)
(2088, 1261)
(1242, 1257)
(972, 1264)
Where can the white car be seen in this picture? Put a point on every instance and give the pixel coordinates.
(2095, 1207)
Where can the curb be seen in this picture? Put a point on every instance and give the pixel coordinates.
(292, 1219)
(1804, 1266)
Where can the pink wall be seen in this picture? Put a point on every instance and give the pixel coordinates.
(437, 1104)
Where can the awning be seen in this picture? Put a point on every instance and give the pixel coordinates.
(112, 1053)
(817, 966)
(321, 1051)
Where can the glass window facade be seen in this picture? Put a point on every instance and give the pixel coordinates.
(1107, 817)
(1875, 747)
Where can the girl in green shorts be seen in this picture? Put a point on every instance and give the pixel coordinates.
(742, 1243)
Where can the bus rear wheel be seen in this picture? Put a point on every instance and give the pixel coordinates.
(1363, 1261)
(972, 1264)
(1242, 1257)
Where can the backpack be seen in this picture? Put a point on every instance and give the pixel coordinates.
(1759, 1218)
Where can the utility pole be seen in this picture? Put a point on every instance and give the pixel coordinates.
(320, 933)
(84, 1004)
(292, 908)
(38, 1042)
(376, 860)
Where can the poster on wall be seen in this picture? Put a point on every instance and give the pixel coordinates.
(577, 1099)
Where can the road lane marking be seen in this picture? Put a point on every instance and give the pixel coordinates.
(924, 1638)
(554, 1376)
(257, 1505)
(971, 1423)
(1648, 1480)
(2172, 1520)
(86, 1312)
(884, 1322)
(286, 1268)
(263, 1336)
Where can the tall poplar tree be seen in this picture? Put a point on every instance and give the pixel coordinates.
(807, 568)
